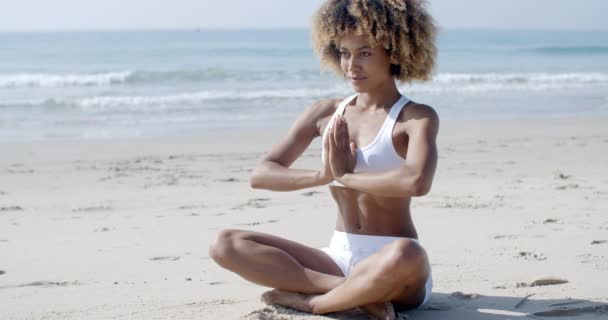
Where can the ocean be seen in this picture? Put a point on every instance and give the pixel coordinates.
(123, 84)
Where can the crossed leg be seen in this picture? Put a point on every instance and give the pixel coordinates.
(308, 280)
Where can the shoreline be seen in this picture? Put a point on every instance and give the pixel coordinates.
(284, 126)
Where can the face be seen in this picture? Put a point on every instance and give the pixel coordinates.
(365, 68)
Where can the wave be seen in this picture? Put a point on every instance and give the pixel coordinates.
(18, 80)
(191, 100)
(570, 50)
(574, 77)
(481, 82)
(271, 76)
(472, 83)
(48, 80)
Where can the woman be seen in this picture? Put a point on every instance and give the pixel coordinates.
(379, 151)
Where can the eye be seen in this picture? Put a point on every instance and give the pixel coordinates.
(366, 54)
(344, 54)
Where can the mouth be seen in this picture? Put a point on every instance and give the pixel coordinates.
(357, 78)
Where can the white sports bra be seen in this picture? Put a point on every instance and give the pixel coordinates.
(380, 154)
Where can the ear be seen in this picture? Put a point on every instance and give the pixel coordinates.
(353, 149)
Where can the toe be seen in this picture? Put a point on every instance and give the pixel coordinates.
(268, 297)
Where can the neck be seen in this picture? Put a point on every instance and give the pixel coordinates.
(384, 96)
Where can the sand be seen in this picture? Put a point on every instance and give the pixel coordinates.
(516, 225)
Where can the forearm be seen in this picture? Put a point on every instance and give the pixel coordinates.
(273, 176)
(392, 183)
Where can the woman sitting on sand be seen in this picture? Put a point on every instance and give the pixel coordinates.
(379, 151)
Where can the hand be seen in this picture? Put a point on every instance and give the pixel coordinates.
(325, 174)
(342, 151)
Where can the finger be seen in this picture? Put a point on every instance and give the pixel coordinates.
(331, 142)
(345, 135)
(353, 149)
(325, 148)
(335, 135)
(342, 137)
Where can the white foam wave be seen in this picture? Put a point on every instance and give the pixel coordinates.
(464, 81)
(492, 82)
(521, 77)
(448, 83)
(168, 101)
(17, 80)
(188, 100)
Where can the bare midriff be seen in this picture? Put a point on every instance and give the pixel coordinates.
(362, 213)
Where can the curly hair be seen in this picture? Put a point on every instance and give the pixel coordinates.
(403, 27)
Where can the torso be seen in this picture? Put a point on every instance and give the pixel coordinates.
(363, 213)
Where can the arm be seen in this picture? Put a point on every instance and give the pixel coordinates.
(273, 172)
(416, 176)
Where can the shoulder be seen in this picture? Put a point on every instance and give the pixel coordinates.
(417, 116)
(324, 107)
(311, 119)
(321, 111)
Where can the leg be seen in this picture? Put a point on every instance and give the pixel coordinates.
(396, 273)
(275, 262)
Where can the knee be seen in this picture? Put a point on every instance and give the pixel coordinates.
(223, 249)
(404, 258)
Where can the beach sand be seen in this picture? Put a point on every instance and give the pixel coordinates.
(120, 229)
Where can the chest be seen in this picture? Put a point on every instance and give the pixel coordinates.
(366, 129)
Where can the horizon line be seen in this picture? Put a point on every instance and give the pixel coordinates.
(207, 29)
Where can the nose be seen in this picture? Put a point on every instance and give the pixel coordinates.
(353, 64)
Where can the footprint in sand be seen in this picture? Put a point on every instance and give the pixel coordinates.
(531, 255)
(257, 203)
(192, 206)
(466, 296)
(599, 310)
(49, 284)
(19, 168)
(257, 223)
(167, 258)
(212, 303)
(311, 193)
(550, 220)
(227, 180)
(506, 236)
(92, 209)
(567, 187)
(562, 176)
(542, 282)
(2, 272)
(599, 241)
(11, 208)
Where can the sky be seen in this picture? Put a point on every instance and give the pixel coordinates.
(22, 15)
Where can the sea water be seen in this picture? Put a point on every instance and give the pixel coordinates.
(81, 85)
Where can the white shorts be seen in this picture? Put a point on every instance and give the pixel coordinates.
(348, 249)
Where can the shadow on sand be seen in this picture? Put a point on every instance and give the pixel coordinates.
(458, 306)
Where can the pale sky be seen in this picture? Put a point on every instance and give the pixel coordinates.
(160, 14)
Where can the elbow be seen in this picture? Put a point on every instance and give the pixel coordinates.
(421, 187)
(255, 179)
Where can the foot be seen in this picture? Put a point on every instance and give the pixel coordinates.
(380, 311)
(297, 301)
